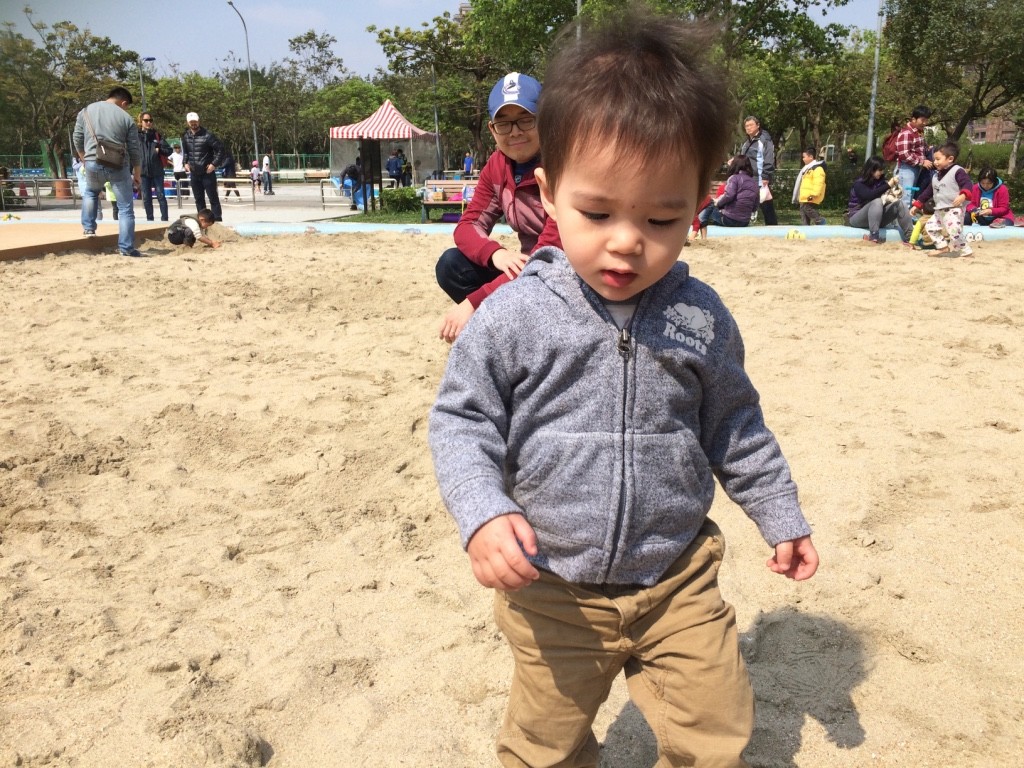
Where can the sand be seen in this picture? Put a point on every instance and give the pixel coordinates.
(221, 542)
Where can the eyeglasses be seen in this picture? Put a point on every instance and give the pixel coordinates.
(504, 127)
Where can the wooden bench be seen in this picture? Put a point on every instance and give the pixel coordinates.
(447, 188)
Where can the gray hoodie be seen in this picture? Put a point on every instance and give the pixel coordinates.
(607, 441)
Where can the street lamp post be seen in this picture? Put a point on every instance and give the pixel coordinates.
(248, 64)
(869, 149)
(142, 85)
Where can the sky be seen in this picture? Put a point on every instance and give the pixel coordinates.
(203, 33)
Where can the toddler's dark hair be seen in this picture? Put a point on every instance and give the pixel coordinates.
(950, 149)
(641, 83)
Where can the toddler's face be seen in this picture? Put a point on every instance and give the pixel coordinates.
(942, 160)
(622, 227)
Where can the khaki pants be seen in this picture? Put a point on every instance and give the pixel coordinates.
(676, 641)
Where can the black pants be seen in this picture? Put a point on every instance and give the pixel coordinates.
(204, 184)
(459, 277)
(768, 211)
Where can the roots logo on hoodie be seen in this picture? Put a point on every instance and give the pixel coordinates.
(692, 326)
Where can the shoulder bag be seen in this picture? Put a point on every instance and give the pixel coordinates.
(110, 154)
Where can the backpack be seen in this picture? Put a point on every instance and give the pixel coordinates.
(889, 147)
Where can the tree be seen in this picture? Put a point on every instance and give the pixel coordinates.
(965, 54)
(314, 63)
(50, 84)
(445, 55)
(340, 104)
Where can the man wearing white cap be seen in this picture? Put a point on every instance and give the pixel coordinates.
(203, 153)
(478, 264)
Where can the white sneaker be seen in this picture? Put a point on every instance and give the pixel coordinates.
(966, 251)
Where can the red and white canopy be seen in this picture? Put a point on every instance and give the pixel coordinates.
(386, 123)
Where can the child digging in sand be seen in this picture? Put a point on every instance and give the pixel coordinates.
(188, 230)
(579, 458)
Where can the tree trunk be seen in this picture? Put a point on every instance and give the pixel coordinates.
(1011, 167)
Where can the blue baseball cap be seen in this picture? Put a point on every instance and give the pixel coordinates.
(514, 88)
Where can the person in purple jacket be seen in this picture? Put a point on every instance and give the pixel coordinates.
(733, 207)
(869, 208)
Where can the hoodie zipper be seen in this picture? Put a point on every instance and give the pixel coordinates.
(624, 345)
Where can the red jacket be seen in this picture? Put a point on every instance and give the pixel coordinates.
(1000, 197)
(497, 195)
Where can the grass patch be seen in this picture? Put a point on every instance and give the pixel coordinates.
(382, 217)
(790, 216)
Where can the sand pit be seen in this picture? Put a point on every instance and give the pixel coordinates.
(221, 542)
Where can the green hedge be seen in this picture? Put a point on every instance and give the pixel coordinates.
(400, 199)
(1015, 184)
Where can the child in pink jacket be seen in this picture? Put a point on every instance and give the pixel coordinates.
(990, 201)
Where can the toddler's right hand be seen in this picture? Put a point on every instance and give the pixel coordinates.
(455, 320)
(497, 557)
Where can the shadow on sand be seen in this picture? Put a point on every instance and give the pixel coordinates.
(801, 665)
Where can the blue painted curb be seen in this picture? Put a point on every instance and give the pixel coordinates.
(832, 232)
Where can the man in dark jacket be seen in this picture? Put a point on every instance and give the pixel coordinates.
(203, 153)
(155, 150)
(761, 151)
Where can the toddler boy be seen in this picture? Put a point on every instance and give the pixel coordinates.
(809, 189)
(578, 454)
(188, 230)
(950, 189)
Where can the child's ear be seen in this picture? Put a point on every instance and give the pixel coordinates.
(547, 196)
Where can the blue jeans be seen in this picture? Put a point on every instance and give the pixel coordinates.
(268, 184)
(155, 183)
(715, 216)
(908, 179)
(96, 176)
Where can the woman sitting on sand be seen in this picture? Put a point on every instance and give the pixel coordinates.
(734, 206)
(870, 208)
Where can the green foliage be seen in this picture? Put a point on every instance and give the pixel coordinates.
(1015, 186)
(400, 199)
(47, 84)
(977, 156)
(965, 55)
(810, 84)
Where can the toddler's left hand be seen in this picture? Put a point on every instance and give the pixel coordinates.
(796, 559)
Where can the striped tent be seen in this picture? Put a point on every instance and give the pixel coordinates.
(387, 124)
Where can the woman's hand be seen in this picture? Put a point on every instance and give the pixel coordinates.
(509, 262)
